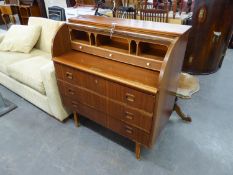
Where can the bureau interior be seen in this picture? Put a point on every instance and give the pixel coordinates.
(133, 47)
(79, 36)
(113, 43)
(152, 50)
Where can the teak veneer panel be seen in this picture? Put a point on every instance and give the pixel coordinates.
(133, 59)
(137, 77)
(126, 85)
(140, 26)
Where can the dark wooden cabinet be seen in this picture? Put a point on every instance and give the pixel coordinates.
(27, 8)
(212, 27)
(120, 73)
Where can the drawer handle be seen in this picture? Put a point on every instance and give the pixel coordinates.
(129, 129)
(130, 97)
(96, 81)
(71, 92)
(69, 75)
(80, 47)
(74, 104)
(129, 115)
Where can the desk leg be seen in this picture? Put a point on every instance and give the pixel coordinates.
(76, 119)
(181, 114)
(138, 150)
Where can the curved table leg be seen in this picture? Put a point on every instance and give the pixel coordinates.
(181, 114)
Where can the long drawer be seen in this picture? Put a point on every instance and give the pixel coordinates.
(131, 116)
(128, 131)
(115, 109)
(131, 97)
(83, 96)
(89, 112)
(112, 90)
(80, 78)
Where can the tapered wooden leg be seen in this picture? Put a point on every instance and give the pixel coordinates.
(138, 150)
(76, 119)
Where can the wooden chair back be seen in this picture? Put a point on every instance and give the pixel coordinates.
(7, 14)
(146, 5)
(156, 15)
(6, 9)
(126, 15)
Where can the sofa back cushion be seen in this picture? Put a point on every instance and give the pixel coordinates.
(48, 30)
(20, 38)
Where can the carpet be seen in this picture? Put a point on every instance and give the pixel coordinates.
(6, 106)
(187, 86)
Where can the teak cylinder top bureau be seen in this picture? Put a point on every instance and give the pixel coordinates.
(120, 73)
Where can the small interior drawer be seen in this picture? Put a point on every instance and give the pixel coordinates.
(131, 97)
(130, 115)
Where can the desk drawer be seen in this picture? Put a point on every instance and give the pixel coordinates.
(82, 79)
(131, 97)
(130, 115)
(91, 113)
(84, 96)
(92, 82)
(67, 74)
(128, 131)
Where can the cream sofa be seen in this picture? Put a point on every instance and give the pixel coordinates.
(32, 75)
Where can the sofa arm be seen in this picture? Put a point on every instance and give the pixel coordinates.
(51, 88)
(2, 35)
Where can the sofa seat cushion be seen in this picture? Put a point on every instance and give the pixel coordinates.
(8, 58)
(28, 72)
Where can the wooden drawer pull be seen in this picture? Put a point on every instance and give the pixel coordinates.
(129, 131)
(130, 97)
(69, 75)
(129, 115)
(128, 127)
(71, 92)
(74, 104)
